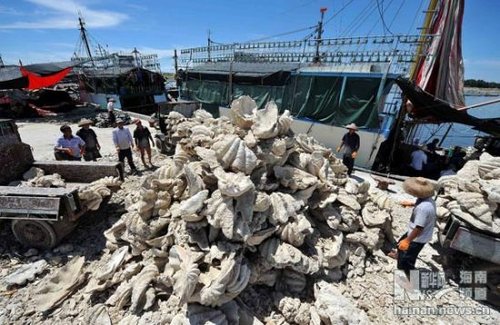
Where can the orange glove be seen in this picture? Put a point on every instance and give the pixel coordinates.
(354, 155)
(404, 245)
(407, 203)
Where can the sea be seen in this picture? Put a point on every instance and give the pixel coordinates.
(459, 135)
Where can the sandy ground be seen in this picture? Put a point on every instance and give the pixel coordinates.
(372, 292)
(42, 136)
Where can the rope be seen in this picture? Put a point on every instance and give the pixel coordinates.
(338, 12)
(381, 12)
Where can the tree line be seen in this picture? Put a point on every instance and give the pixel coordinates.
(481, 83)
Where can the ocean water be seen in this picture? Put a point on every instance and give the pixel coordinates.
(460, 135)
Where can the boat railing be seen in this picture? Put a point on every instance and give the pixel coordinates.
(399, 49)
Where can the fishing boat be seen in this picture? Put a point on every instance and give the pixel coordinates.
(133, 79)
(327, 83)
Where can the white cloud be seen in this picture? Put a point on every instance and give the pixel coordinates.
(63, 15)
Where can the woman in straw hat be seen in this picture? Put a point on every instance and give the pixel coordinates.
(421, 223)
(88, 135)
(350, 144)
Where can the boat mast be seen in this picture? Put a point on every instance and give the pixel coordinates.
(83, 34)
(319, 29)
(429, 14)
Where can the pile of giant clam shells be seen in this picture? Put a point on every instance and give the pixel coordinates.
(473, 194)
(243, 202)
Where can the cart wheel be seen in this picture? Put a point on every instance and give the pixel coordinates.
(34, 233)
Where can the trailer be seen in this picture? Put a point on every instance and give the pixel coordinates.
(472, 249)
(40, 217)
(163, 138)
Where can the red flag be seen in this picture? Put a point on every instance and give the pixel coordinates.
(36, 81)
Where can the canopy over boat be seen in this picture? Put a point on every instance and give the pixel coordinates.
(431, 109)
(33, 76)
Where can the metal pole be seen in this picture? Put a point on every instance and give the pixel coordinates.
(445, 135)
(230, 90)
(317, 58)
(479, 104)
(209, 43)
(176, 66)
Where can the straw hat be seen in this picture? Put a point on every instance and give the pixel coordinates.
(351, 126)
(84, 121)
(419, 187)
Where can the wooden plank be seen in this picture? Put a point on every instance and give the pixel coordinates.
(26, 204)
(34, 191)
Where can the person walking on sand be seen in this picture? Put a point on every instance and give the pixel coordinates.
(142, 136)
(88, 135)
(124, 144)
(350, 143)
(421, 225)
(69, 146)
(111, 112)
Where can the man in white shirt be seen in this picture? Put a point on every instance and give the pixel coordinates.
(111, 112)
(421, 225)
(418, 161)
(122, 138)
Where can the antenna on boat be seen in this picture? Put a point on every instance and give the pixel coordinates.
(83, 34)
(319, 29)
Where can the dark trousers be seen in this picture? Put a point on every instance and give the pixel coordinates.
(414, 173)
(126, 153)
(91, 154)
(64, 156)
(349, 162)
(407, 259)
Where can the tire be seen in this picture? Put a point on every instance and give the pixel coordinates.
(159, 145)
(35, 233)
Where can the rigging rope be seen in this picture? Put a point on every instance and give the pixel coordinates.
(381, 12)
(338, 12)
(417, 14)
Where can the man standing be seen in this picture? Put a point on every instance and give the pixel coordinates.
(432, 146)
(124, 144)
(418, 161)
(88, 135)
(421, 223)
(111, 112)
(142, 136)
(68, 147)
(350, 143)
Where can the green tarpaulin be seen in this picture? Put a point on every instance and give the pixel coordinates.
(334, 100)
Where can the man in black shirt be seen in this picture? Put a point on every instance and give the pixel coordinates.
(88, 135)
(350, 144)
(142, 136)
(432, 146)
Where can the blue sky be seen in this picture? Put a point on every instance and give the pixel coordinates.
(45, 30)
